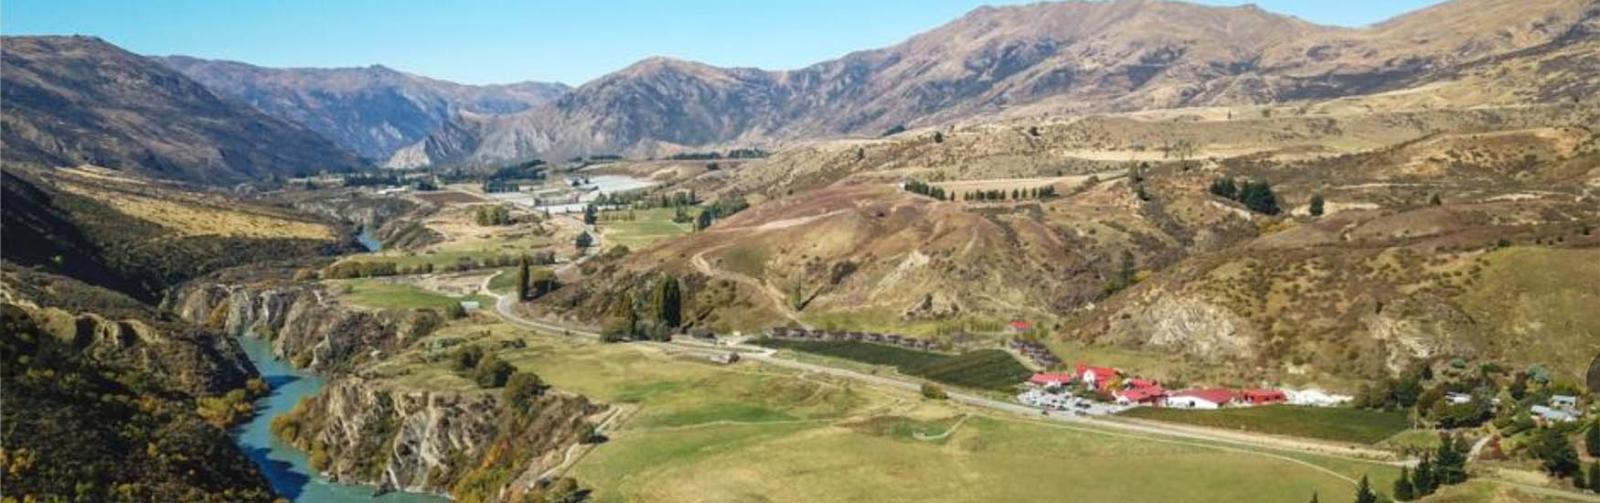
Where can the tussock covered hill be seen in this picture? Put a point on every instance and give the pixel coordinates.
(372, 111)
(1047, 58)
(70, 101)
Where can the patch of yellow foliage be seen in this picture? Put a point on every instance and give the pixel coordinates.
(194, 218)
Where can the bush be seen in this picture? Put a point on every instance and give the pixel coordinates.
(933, 391)
(522, 389)
(492, 372)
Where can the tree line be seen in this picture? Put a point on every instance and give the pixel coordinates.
(662, 313)
(1255, 195)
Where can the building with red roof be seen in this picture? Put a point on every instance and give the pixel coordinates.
(1050, 379)
(1264, 396)
(1212, 398)
(1019, 326)
(1095, 377)
(1148, 395)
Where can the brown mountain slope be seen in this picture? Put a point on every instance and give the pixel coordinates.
(1071, 57)
(372, 111)
(69, 101)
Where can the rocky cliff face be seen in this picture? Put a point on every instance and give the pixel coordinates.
(317, 335)
(361, 431)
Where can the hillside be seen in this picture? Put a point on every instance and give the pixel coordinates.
(832, 240)
(140, 237)
(70, 101)
(1048, 58)
(107, 399)
(371, 111)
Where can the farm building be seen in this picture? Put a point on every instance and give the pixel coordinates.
(1095, 377)
(1150, 395)
(1050, 379)
(1019, 326)
(1457, 398)
(1263, 396)
(1554, 415)
(1315, 398)
(1214, 398)
(1563, 401)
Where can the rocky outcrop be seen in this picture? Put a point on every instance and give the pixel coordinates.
(361, 431)
(304, 327)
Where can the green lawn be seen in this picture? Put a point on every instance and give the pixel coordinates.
(506, 282)
(379, 294)
(1326, 423)
(646, 227)
(990, 369)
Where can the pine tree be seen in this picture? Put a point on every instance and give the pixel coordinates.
(1364, 492)
(522, 280)
(1402, 486)
(1316, 205)
(1450, 466)
(1422, 478)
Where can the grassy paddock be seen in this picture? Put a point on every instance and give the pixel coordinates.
(1326, 423)
(379, 294)
(647, 226)
(984, 369)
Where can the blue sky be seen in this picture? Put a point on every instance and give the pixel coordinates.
(491, 41)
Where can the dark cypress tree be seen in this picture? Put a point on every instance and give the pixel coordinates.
(1364, 492)
(1313, 497)
(1594, 476)
(522, 280)
(1316, 205)
(1422, 477)
(668, 303)
(1450, 465)
(1402, 486)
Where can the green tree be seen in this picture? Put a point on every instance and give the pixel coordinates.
(668, 303)
(1450, 466)
(1591, 439)
(522, 389)
(1422, 480)
(1316, 205)
(1594, 476)
(1313, 497)
(623, 321)
(933, 391)
(1364, 492)
(522, 280)
(1402, 486)
(703, 221)
(1434, 200)
(543, 281)
(1258, 197)
(1555, 453)
(492, 372)
(591, 214)
(584, 241)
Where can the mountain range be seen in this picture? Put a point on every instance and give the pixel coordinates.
(79, 100)
(1069, 58)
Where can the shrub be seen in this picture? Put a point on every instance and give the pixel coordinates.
(933, 391)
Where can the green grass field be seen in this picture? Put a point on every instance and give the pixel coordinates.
(990, 369)
(985, 459)
(379, 294)
(646, 227)
(1326, 423)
